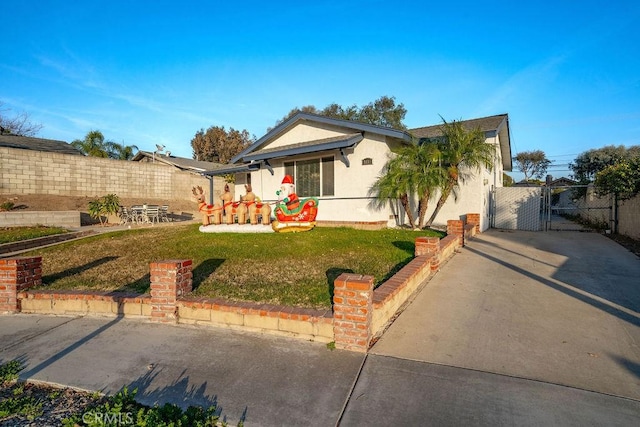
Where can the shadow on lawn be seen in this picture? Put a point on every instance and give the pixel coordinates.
(407, 246)
(200, 274)
(332, 274)
(77, 270)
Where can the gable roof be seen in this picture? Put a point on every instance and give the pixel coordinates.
(179, 162)
(336, 142)
(317, 145)
(491, 126)
(38, 144)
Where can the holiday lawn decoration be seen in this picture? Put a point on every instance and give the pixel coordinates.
(293, 214)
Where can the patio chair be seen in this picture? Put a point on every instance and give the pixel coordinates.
(164, 209)
(153, 214)
(137, 214)
(125, 215)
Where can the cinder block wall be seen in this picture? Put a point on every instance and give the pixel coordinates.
(37, 172)
(629, 217)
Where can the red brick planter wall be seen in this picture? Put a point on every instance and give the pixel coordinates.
(359, 315)
(17, 274)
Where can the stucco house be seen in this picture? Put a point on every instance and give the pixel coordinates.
(338, 161)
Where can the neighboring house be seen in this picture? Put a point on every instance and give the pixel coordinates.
(181, 163)
(563, 182)
(339, 160)
(524, 183)
(38, 144)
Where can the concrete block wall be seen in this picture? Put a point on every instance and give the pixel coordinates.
(67, 219)
(38, 172)
(629, 217)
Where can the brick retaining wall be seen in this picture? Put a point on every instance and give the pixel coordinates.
(360, 312)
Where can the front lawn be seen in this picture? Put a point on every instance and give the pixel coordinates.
(289, 268)
(16, 234)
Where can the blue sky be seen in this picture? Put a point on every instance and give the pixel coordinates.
(155, 72)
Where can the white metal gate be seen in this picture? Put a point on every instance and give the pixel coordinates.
(577, 208)
(517, 208)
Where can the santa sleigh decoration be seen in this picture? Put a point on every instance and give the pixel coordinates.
(293, 214)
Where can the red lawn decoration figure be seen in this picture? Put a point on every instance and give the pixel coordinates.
(214, 211)
(293, 214)
(233, 209)
(255, 207)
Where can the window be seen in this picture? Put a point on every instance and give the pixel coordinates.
(367, 161)
(313, 177)
(327, 176)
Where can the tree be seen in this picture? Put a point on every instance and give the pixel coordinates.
(589, 163)
(621, 179)
(93, 144)
(218, 145)
(19, 124)
(412, 171)
(461, 151)
(121, 151)
(533, 164)
(381, 112)
(393, 185)
(507, 181)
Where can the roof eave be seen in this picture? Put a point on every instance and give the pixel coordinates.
(231, 169)
(282, 127)
(285, 152)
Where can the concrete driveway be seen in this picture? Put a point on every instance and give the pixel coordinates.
(558, 308)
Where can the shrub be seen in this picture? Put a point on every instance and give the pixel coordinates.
(107, 205)
(6, 206)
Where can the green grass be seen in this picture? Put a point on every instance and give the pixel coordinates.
(288, 268)
(16, 234)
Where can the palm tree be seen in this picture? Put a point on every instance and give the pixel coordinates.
(425, 173)
(462, 151)
(412, 171)
(394, 185)
(121, 151)
(93, 144)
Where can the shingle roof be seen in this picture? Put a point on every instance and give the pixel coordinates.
(339, 141)
(308, 117)
(37, 144)
(179, 162)
(484, 123)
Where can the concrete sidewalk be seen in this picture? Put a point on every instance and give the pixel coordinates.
(517, 329)
(265, 380)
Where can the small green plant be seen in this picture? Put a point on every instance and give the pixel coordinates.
(6, 206)
(331, 345)
(26, 406)
(122, 409)
(107, 205)
(54, 394)
(9, 371)
(18, 389)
